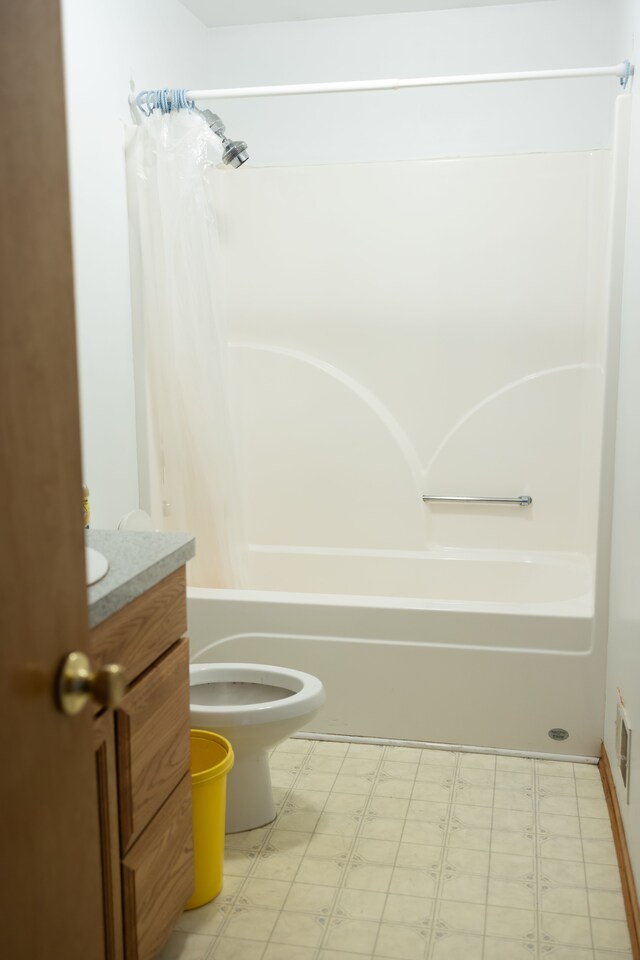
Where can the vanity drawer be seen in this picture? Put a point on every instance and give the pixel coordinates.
(157, 876)
(141, 631)
(152, 730)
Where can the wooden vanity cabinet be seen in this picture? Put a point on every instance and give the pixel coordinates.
(142, 769)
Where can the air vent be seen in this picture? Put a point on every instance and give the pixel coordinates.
(623, 745)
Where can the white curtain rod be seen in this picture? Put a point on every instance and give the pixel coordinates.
(621, 70)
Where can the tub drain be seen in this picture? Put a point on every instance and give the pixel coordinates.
(557, 733)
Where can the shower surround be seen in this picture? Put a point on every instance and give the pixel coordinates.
(400, 329)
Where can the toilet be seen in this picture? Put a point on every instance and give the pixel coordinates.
(254, 706)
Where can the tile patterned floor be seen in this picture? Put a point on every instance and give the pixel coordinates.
(409, 854)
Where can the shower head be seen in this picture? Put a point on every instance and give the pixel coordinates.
(235, 152)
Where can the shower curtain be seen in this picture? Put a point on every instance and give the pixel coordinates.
(180, 332)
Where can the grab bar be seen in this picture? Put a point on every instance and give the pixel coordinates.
(521, 501)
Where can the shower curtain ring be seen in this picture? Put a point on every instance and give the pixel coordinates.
(144, 102)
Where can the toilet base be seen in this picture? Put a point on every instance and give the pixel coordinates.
(250, 800)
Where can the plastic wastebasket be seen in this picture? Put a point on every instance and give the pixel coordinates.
(211, 760)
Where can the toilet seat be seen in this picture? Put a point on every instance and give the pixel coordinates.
(307, 695)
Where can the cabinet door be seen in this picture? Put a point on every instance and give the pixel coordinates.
(144, 629)
(105, 748)
(153, 741)
(157, 876)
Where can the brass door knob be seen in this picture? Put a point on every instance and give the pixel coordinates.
(76, 683)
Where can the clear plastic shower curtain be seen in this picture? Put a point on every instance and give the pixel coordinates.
(192, 478)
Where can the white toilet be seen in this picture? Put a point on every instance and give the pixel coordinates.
(255, 707)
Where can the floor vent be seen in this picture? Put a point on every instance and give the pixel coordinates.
(623, 745)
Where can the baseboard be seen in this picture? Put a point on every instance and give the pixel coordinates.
(453, 747)
(629, 891)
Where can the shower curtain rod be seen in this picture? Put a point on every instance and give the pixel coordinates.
(621, 70)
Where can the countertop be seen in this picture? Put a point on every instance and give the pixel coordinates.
(137, 561)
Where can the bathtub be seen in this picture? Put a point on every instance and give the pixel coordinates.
(481, 649)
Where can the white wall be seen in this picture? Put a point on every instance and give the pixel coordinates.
(421, 327)
(160, 43)
(154, 43)
(414, 124)
(623, 673)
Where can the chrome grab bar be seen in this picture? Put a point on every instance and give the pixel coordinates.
(521, 501)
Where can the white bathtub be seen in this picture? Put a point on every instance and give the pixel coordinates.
(480, 649)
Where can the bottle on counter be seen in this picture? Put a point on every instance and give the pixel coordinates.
(86, 511)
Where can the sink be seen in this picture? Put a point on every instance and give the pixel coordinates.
(96, 565)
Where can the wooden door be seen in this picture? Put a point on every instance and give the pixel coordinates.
(50, 903)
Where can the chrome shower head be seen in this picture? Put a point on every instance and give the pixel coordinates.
(235, 152)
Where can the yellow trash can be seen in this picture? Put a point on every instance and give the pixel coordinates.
(211, 760)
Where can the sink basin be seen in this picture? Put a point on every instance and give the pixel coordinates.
(96, 565)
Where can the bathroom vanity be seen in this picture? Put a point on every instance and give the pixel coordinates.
(137, 615)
